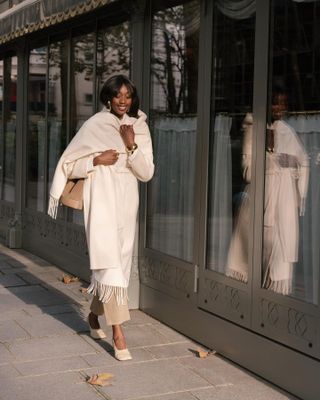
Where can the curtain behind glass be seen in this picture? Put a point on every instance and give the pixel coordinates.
(82, 96)
(173, 122)
(57, 106)
(9, 133)
(230, 145)
(36, 128)
(1, 128)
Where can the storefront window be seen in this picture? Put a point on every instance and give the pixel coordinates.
(57, 106)
(1, 127)
(9, 128)
(82, 74)
(113, 52)
(230, 142)
(292, 197)
(173, 122)
(36, 128)
(81, 96)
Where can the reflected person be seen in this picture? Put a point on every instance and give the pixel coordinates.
(286, 184)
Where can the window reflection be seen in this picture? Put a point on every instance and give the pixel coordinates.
(82, 105)
(286, 184)
(82, 71)
(1, 126)
(57, 107)
(230, 141)
(36, 128)
(113, 52)
(292, 216)
(173, 120)
(10, 102)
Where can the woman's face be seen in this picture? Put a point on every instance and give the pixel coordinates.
(121, 103)
(279, 106)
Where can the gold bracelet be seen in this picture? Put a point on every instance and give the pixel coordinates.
(132, 149)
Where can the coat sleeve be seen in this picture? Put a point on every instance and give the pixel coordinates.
(141, 161)
(80, 168)
(303, 176)
(247, 147)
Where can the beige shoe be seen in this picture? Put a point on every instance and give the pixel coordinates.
(121, 355)
(96, 333)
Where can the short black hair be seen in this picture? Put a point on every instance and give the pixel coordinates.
(112, 87)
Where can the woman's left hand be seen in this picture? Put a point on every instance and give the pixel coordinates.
(127, 134)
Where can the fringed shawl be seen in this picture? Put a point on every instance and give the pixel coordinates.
(97, 134)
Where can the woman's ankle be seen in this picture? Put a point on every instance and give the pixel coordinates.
(93, 321)
(118, 337)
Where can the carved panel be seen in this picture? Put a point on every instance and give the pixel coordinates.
(155, 271)
(32, 220)
(6, 211)
(282, 322)
(76, 239)
(29, 221)
(223, 296)
(298, 324)
(54, 230)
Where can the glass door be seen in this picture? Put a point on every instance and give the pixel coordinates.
(225, 273)
(168, 262)
(287, 286)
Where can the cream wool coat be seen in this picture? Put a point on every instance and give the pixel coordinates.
(110, 196)
(286, 185)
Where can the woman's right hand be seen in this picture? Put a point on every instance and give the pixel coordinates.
(108, 157)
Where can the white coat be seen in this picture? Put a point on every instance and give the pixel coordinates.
(110, 196)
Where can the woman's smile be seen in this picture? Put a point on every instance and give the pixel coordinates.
(121, 103)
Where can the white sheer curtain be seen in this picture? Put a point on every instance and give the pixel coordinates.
(220, 209)
(171, 212)
(237, 9)
(306, 272)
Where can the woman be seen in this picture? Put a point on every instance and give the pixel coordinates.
(112, 151)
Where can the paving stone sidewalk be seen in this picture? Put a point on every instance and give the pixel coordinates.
(46, 352)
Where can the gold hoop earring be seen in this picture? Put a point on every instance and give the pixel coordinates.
(108, 106)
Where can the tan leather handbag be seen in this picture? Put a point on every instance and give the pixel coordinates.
(72, 195)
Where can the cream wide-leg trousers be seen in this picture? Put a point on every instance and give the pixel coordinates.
(114, 313)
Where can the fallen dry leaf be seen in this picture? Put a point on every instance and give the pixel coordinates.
(204, 353)
(100, 379)
(69, 279)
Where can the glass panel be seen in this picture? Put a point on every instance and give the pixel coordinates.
(1, 127)
(57, 107)
(173, 122)
(113, 52)
(82, 104)
(36, 128)
(292, 196)
(230, 142)
(82, 80)
(10, 99)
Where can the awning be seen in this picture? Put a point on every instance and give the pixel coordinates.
(32, 15)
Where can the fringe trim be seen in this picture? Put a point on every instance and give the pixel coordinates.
(105, 292)
(239, 276)
(283, 287)
(53, 207)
